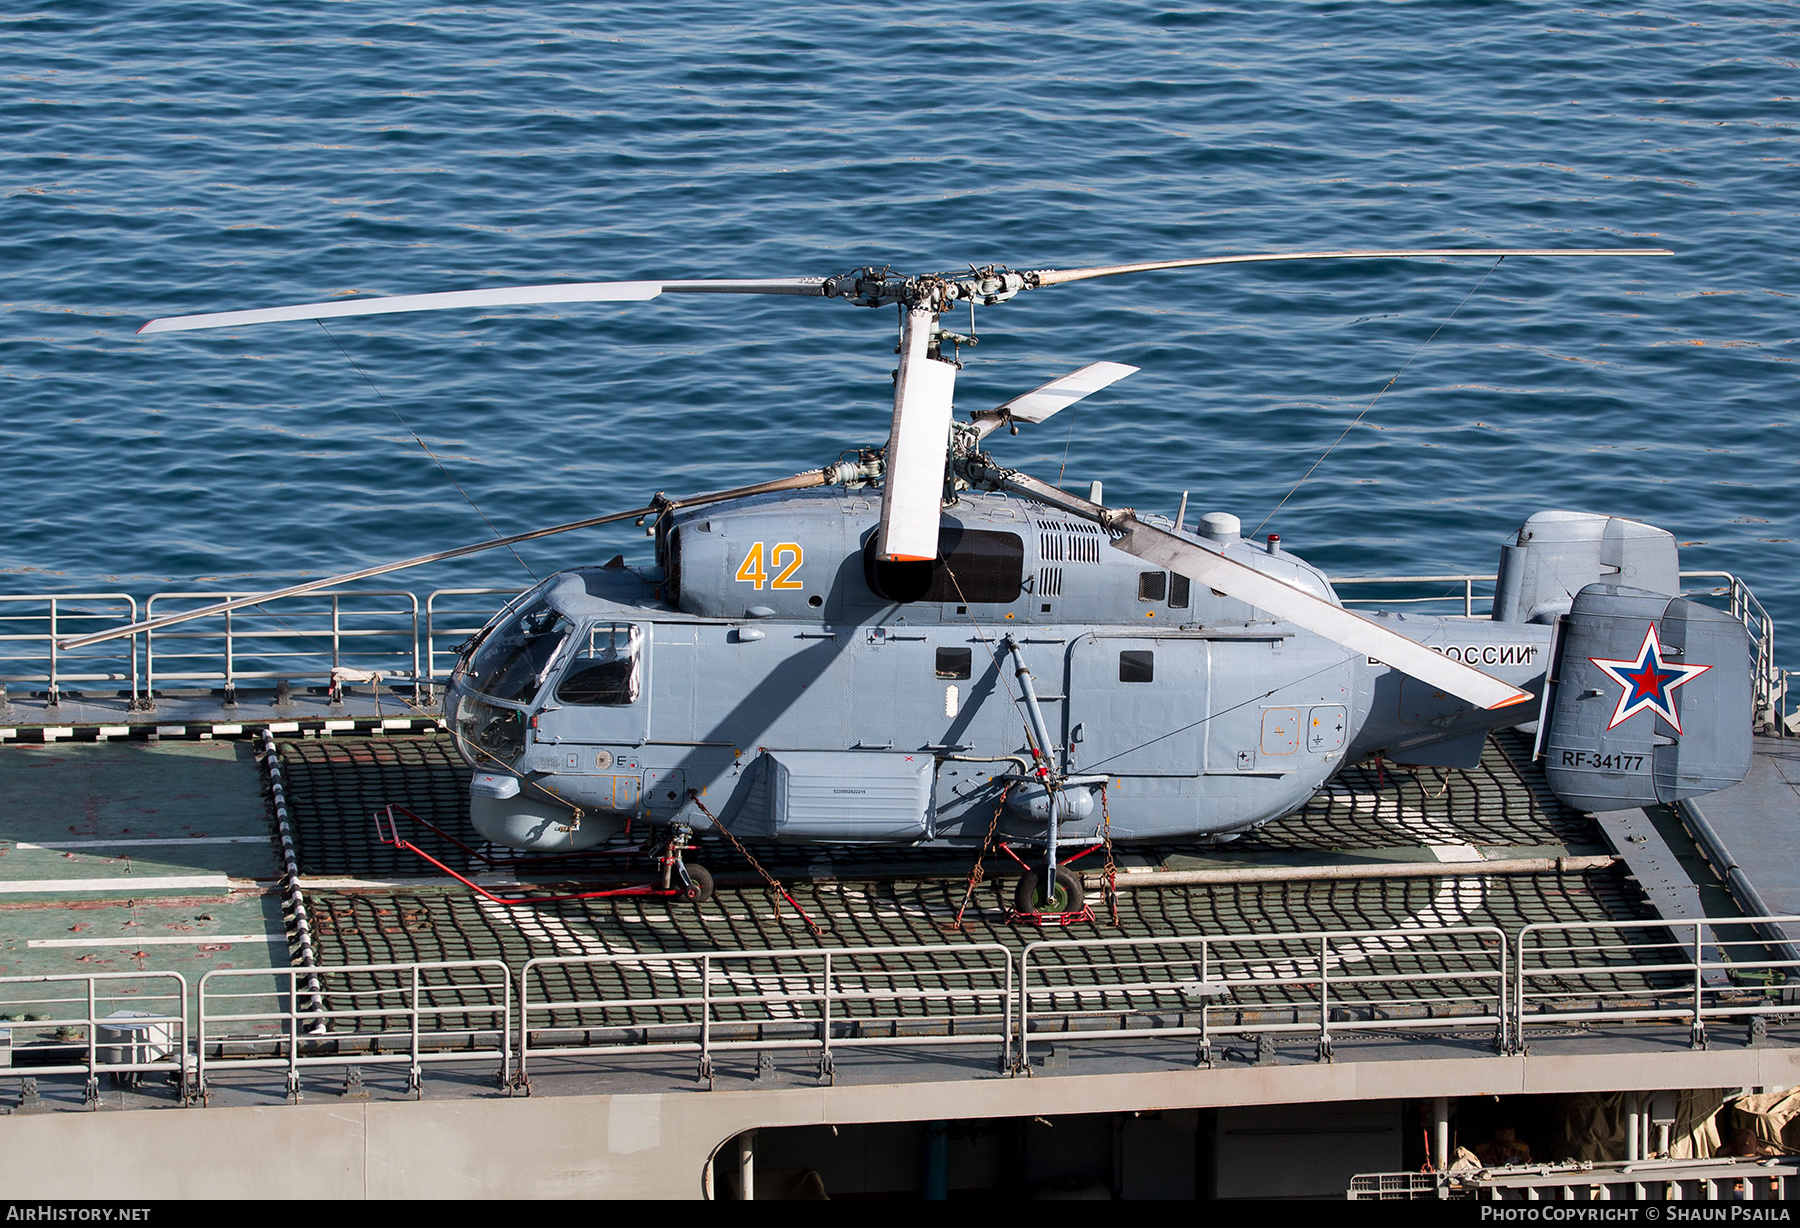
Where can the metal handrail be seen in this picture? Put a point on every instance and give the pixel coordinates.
(1467, 579)
(285, 1022)
(807, 990)
(1681, 970)
(1768, 681)
(311, 662)
(140, 1055)
(1214, 966)
(433, 631)
(58, 629)
(1315, 983)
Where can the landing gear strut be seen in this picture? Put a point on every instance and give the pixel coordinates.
(692, 884)
(1054, 896)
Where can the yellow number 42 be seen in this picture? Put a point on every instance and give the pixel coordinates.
(785, 558)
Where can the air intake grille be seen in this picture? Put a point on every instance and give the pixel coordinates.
(1062, 541)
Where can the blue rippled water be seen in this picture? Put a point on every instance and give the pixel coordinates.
(161, 159)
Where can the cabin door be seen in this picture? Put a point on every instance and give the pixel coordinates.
(1136, 705)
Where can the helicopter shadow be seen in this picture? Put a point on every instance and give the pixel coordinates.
(778, 693)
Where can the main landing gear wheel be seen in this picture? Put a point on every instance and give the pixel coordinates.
(699, 886)
(1067, 896)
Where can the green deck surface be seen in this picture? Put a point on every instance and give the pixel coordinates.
(183, 796)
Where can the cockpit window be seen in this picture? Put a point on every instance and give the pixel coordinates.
(514, 660)
(606, 670)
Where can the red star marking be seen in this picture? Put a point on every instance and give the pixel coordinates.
(1649, 682)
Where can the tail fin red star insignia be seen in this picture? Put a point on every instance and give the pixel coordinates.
(1649, 681)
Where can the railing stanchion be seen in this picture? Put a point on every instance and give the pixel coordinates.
(1697, 1036)
(1204, 1055)
(826, 1070)
(230, 662)
(1025, 1007)
(415, 1080)
(1006, 1021)
(55, 688)
(506, 1068)
(293, 1020)
(93, 1051)
(706, 1069)
(1324, 997)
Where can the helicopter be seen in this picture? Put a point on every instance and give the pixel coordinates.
(921, 646)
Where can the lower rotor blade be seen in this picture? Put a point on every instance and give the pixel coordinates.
(1038, 404)
(802, 481)
(912, 493)
(1281, 599)
(1056, 277)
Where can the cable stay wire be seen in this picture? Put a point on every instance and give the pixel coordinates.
(1384, 390)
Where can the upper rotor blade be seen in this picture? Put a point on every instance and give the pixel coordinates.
(510, 296)
(800, 481)
(1056, 277)
(912, 493)
(1062, 392)
(1281, 599)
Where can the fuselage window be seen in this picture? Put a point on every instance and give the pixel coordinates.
(973, 567)
(1178, 591)
(954, 662)
(605, 672)
(1152, 585)
(1137, 665)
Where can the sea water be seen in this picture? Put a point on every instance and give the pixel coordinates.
(159, 159)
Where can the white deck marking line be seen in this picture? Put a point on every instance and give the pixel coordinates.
(158, 941)
(546, 928)
(139, 843)
(535, 923)
(1450, 905)
(125, 884)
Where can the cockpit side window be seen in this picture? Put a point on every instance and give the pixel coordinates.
(514, 660)
(605, 671)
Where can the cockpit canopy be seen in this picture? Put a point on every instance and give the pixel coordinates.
(520, 656)
(515, 659)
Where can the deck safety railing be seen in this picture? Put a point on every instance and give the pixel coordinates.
(1451, 592)
(1768, 682)
(31, 624)
(452, 615)
(362, 1015)
(1200, 991)
(1261, 987)
(1694, 971)
(122, 1024)
(721, 1002)
(331, 638)
(334, 636)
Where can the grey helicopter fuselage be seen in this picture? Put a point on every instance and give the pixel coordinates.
(773, 674)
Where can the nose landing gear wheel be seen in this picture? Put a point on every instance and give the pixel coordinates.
(699, 886)
(1067, 895)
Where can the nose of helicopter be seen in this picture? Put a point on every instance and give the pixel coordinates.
(537, 826)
